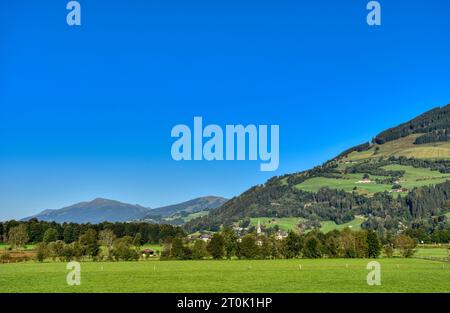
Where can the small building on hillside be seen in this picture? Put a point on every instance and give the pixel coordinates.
(281, 234)
(205, 237)
(147, 253)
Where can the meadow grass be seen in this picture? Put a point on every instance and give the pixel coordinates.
(354, 224)
(28, 247)
(416, 177)
(290, 223)
(413, 177)
(432, 252)
(404, 147)
(285, 223)
(298, 275)
(152, 246)
(347, 184)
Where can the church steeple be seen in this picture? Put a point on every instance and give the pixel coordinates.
(258, 229)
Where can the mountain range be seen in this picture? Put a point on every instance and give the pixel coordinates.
(100, 210)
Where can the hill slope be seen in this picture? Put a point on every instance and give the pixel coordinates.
(401, 177)
(190, 206)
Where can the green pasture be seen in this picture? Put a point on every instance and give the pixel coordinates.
(354, 224)
(295, 275)
(285, 223)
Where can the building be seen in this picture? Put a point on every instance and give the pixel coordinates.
(364, 181)
(258, 228)
(281, 234)
(205, 237)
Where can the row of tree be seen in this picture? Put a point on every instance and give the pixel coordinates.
(41, 231)
(102, 246)
(224, 244)
(96, 246)
(335, 244)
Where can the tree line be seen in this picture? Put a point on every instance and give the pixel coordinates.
(429, 122)
(40, 231)
(335, 244)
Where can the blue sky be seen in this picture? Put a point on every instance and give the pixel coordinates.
(86, 111)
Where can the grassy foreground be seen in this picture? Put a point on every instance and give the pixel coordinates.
(300, 275)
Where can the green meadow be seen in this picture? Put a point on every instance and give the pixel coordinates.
(290, 223)
(413, 177)
(416, 177)
(404, 147)
(346, 184)
(354, 224)
(433, 252)
(154, 247)
(296, 275)
(284, 223)
(28, 247)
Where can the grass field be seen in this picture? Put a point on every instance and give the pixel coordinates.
(405, 147)
(413, 177)
(323, 275)
(154, 247)
(346, 184)
(290, 223)
(432, 252)
(285, 223)
(354, 224)
(28, 247)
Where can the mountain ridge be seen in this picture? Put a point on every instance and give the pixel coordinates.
(101, 209)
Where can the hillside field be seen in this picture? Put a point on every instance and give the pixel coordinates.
(404, 147)
(290, 223)
(285, 223)
(413, 177)
(322, 275)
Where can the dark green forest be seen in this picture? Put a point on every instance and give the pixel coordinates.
(434, 124)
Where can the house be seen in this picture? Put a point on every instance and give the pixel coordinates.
(205, 237)
(400, 190)
(281, 235)
(147, 253)
(364, 181)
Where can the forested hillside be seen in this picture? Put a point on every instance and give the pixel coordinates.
(390, 182)
(434, 124)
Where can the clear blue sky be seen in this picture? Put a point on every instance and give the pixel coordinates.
(87, 111)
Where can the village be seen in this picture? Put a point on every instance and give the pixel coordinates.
(242, 231)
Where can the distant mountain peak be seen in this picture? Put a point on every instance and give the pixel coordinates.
(101, 209)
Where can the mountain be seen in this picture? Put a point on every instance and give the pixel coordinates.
(399, 179)
(95, 211)
(100, 210)
(191, 206)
